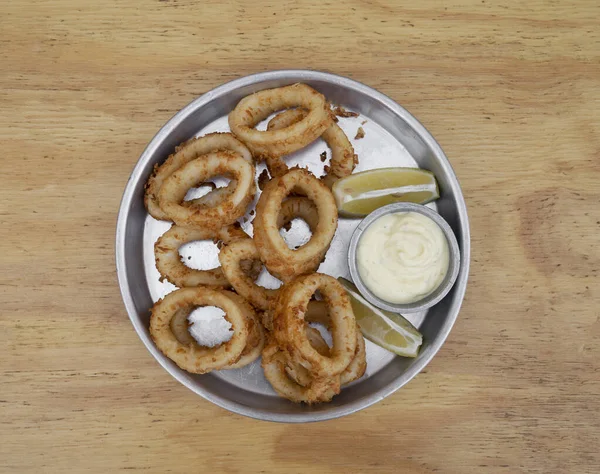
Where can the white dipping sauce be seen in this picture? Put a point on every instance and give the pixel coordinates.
(403, 257)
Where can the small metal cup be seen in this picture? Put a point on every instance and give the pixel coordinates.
(446, 284)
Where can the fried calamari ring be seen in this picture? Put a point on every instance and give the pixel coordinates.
(184, 153)
(289, 324)
(230, 257)
(274, 363)
(170, 266)
(258, 106)
(232, 206)
(193, 357)
(283, 262)
(256, 334)
(343, 158)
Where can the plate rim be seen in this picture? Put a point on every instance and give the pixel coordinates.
(298, 75)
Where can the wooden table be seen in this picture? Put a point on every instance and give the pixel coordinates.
(511, 91)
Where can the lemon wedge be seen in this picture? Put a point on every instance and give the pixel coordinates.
(361, 193)
(388, 330)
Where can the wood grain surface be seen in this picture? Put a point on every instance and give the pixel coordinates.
(510, 89)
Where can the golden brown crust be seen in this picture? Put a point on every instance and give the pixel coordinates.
(258, 106)
(280, 260)
(297, 362)
(190, 356)
(184, 153)
(232, 206)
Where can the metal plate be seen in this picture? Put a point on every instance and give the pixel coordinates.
(393, 137)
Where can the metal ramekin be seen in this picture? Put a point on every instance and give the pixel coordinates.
(453, 266)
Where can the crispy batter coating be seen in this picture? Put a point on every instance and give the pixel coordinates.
(256, 107)
(231, 207)
(185, 153)
(189, 355)
(280, 260)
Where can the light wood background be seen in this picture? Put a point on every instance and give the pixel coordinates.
(510, 89)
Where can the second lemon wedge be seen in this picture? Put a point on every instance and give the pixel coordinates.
(388, 330)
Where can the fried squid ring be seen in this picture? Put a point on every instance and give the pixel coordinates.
(343, 158)
(256, 107)
(193, 357)
(184, 153)
(230, 257)
(171, 268)
(289, 324)
(274, 363)
(232, 206)
(283, 262)
(256, 334)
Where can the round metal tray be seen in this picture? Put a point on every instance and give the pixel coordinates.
(393, 137)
